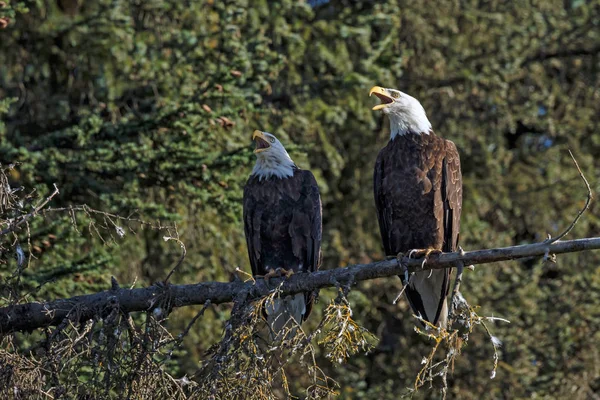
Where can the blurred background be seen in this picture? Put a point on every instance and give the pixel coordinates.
(146, 108)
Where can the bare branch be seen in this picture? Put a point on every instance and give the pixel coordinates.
(22, 219)
(590, 196)
(183, 334)
(460, 267)
(108, 216)
(180, 261)
(26, 317)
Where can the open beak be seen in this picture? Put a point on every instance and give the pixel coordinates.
(262, 143)
(383, 95)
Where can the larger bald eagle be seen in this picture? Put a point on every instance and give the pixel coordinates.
(418, 195)
(282, 222)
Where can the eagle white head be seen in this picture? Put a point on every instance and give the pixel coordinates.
(405, 112)
(271, 157)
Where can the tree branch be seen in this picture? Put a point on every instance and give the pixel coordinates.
(588, 200)
(27, 317)
(14, 224)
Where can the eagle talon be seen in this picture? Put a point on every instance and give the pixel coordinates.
(424, 253)
(271, 274)
(418, 253)
(277, 273)
(288, 273)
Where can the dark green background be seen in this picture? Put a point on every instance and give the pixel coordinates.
(108, 101)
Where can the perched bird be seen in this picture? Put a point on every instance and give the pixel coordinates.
(418, 195)
(282, 222)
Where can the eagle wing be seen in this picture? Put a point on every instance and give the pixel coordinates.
(383, 216)
(451, 191)
(306, 230)
(451, 204)
(451, 197)
(252, 219)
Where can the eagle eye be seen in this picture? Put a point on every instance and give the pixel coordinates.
(395, 95)
(272, 140)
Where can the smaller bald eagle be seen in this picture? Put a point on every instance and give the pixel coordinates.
(418, 196)
(282, 222)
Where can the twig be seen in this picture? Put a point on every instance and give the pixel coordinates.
(460, 267)
(183, 253)
(590, 196)
(404, 285)
(36, 210)
(405, 280)
(250, 276)
(496, 344)
(192, 322)
(88, 210)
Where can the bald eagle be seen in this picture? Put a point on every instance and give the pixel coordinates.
(418, 196)
(282, 222)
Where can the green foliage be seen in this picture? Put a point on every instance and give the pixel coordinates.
(145, 109)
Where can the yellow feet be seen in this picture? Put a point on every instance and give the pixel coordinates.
(288, 273)
(425, 253)
(418, 253)
(277, 273)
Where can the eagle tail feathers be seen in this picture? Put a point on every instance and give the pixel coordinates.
(427, 296)
(284, 315)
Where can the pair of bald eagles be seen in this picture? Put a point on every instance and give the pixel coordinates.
(418, 197)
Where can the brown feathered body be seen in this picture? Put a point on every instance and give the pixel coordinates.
(282, 222)
(418, 195)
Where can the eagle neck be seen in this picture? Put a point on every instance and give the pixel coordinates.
(269, 166)
(401, 125)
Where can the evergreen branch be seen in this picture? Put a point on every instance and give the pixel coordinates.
(30, 316)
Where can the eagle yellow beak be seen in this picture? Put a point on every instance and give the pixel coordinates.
(262, 143)
(383, 95)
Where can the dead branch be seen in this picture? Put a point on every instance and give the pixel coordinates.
(27, 317)
(183, 253)
(14, 224)
(590, 196)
